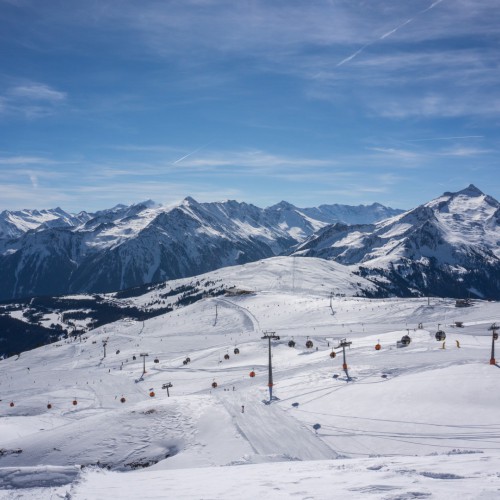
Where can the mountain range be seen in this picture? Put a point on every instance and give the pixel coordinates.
(449, 246)
(52, 252)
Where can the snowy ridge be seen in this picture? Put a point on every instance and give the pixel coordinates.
(411, 422)
(15, 224)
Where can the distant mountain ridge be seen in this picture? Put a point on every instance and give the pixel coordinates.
(447, 247)
(52, 252)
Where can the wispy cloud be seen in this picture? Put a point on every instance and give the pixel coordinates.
(25, 160)
(37, 92)
(31, 100)
(452, 138)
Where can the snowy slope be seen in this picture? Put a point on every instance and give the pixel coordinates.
(27, 324)
(447, 247)
(418, 421)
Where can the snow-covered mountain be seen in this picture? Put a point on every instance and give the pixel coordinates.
(55, 253)
(447, 247)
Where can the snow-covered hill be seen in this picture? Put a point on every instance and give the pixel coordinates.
(419, 421)
(447, 247)
(54, 253)
(28, 324)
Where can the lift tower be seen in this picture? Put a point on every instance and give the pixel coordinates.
(270, 336)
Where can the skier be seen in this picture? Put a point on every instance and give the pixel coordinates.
(242, 409)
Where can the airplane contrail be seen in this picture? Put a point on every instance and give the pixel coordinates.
(385, 35)
(352, 56)
(389, 33)
(191, 153)
(430, 7)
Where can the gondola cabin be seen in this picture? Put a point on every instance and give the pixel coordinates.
(333, 354)
(236, 350)
(252, 374)
(214, 384)
(122, 400)
(291, 343)
(405, 340)
(226, 356)
(378, 347)
(440, 336)
(309, 344)
(152, 394)
(156, 360)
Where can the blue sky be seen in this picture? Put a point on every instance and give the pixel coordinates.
(326, 101)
